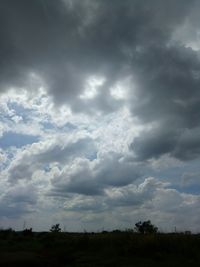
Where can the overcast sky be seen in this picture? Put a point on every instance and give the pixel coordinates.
(99, 114)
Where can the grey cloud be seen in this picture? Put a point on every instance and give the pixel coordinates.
(92, 178)
(13, 211)
(65, 43)
(133, 195)
(84, 203)
(168, 200)
(18, 200)
(113, 170)
(84, 186)
(61, 152)
(168, 96)
(154, 143)
(22, 194)
(167, 86)
(78, 179)
(189, 179)
(41, 154)
(180, 143)
(188, 146)
(147, 193)
(126, 196)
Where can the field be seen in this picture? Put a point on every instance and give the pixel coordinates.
(98, 249)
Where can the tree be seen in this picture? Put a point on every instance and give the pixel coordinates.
(146, 227)
(55, 228)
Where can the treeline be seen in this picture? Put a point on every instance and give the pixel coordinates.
(145, 227)
(131, 247)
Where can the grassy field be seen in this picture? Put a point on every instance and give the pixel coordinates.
(98, 249)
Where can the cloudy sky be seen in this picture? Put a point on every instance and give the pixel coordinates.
(99, 114)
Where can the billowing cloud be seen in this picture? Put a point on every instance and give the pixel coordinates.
(41, 155)
(93, 177)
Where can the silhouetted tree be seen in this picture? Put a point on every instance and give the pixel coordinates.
(146, 227)
(55, 228)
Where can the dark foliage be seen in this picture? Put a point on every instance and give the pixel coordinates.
(145, 227)
(55, 228)
(28, 232)
(117, 248)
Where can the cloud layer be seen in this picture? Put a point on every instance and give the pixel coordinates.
(100, 107)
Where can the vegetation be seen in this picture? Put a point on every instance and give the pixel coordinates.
(55, 228)
(127, 248)
(146, 227)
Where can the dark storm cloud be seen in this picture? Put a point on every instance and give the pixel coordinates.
(65, 42)
(188, 145)
(154, 143)
(181, 143)
(168, 85)
(168, 96)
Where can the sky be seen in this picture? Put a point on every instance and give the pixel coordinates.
(99, 114)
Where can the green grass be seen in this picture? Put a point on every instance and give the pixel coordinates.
(100, 249)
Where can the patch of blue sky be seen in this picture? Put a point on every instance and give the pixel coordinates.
(4, 165)
(48, 125)
(5, 118)
(11, 139)
(69, 126)
(20, 110)
(9, 154)
(91, 156)
(46, 167)
(174, 176)
(190, 189)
